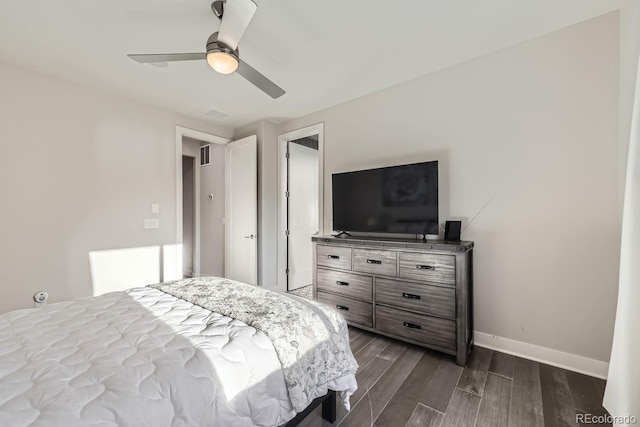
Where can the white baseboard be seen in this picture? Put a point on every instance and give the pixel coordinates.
(572, 362)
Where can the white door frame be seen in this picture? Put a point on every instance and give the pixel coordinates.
(317, 129)
(201, 136)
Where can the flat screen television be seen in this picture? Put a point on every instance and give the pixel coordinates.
(397, 199)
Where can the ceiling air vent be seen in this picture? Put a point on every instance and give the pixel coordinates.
(205, 155)
(216, 115)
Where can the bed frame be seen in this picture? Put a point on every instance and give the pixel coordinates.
(328, 402)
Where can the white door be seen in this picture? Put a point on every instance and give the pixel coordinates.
(241, 210)
(303, 213)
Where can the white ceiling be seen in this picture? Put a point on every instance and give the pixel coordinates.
(322, 52)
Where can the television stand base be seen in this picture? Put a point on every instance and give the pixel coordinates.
(424, 237)
(342, 233)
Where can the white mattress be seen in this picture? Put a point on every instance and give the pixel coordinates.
(139, 358)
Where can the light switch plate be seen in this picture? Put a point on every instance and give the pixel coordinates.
(155, 208)
(151, 223)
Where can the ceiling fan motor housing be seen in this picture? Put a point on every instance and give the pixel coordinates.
(213, 45)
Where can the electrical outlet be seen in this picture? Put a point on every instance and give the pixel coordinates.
(40, 298)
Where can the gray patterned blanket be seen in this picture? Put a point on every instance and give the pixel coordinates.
(312, 341)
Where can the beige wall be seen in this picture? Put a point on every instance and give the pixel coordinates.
(79, 170)
(265, 132)
(536, 123)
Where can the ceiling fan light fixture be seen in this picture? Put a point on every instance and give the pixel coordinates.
(222, 62)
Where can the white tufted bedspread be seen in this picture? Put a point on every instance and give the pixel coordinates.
(310, 339)
(138, 358)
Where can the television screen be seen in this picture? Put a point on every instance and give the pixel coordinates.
(397, 199)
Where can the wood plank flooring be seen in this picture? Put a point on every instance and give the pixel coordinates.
(404, 385)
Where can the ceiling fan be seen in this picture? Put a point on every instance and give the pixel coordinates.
(222, 46)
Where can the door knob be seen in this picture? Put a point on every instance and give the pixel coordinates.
(251, 236)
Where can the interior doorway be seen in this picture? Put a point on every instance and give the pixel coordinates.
(302, 209)
(301, 194)
(199, 247)
(191, 209)
(189, 169)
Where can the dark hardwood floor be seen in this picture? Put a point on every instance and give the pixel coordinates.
(404, 385)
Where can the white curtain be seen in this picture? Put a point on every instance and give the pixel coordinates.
(622, 395)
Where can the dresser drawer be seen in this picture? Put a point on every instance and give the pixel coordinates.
(428, 330)
(348, 284)
(334, 257)
(375, 261)
(434, 300)
(428, 267)
(351, 309)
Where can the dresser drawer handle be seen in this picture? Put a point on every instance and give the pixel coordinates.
(373, 261)
(410, 296)
(334, 256)
(425, 267)
(338, 282)
(412, 325)
(342, 307)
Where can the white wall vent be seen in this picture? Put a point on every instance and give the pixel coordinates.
(205, 155)
(216, 115)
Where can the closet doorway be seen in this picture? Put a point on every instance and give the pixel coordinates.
(300, 205)
(200, 195)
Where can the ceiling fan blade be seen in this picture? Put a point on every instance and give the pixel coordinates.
(260, 81)
(236, 18)
(166, 57)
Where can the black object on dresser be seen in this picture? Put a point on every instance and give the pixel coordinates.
(414, 291)
(452, 231)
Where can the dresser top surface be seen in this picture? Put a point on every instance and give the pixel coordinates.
(396, 243)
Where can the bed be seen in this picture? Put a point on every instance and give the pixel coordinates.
(195, 352)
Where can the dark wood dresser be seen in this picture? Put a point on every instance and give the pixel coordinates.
(410, 290)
